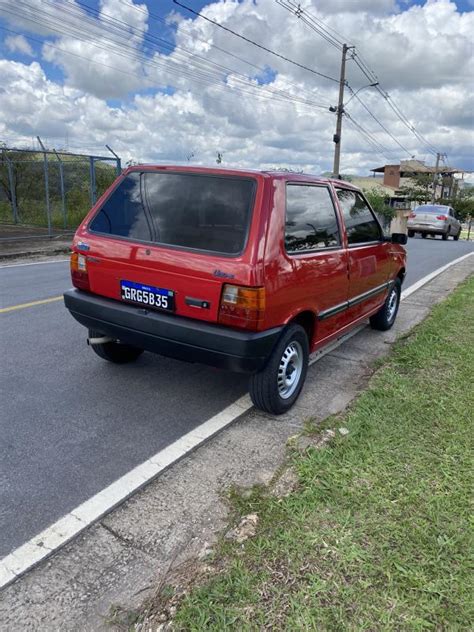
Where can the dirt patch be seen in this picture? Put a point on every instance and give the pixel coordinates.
(285, 484)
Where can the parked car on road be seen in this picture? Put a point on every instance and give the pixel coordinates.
(248, 271)
(434, 219)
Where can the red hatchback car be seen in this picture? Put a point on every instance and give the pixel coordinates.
(248, 271)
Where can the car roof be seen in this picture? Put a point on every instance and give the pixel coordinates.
(266, 173)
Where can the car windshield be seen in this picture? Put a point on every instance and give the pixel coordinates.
(196, 211)
(431, 208)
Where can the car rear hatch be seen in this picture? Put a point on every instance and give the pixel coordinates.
(171, 240)
(431, 216)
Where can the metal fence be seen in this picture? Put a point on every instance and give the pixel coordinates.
(48, 192)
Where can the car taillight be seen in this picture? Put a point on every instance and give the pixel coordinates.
(443, 217)
(242, 307)
(412, 215)
(79, 276)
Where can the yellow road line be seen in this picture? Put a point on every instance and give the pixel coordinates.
(3, 310)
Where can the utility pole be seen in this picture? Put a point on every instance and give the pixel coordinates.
(340, 111)
(435, 178)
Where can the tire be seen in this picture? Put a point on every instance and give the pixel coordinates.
(445, 236)
(385, 317)
(411, 233)
(269, 389)
(114, 351)
(424, 235)
(456, 237)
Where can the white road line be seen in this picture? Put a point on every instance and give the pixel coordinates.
(32, 263)
(59, 533)
(429, 277)
(66, 528)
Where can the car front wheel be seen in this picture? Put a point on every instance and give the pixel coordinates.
(387, 314)
(411, 233)
(277, 386)
(113, 351)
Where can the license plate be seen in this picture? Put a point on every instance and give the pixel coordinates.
(154, 297)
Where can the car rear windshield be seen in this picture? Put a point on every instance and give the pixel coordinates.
(430, 208)
(201, 212)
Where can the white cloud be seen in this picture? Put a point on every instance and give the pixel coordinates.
(18, 44)
(422, 56)
(101, 56)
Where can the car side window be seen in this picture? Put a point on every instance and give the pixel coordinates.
(361, 225)
(311, 222)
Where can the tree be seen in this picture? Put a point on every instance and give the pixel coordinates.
(419, 189)
(378, 201)
(463, 205)
(23, 177)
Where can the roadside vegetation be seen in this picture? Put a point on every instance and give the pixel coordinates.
(377, 534)
(29, 188)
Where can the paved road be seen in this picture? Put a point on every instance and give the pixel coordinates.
(72, 424)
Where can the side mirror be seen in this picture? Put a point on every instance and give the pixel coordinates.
(399, 238)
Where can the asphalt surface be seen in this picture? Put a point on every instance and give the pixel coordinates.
(71, 423)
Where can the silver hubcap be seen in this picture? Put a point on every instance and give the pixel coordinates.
(290, 369)
(392, 305)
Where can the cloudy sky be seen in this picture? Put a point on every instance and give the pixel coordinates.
(160, 84)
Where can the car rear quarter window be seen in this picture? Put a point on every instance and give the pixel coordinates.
(311, 222)
(122, 214)
(430, 208)
(191, 211)
(361, 225)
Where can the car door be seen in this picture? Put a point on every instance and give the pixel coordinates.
(369, 256)
(314, 273)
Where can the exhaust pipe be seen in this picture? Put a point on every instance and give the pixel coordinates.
(100, 341)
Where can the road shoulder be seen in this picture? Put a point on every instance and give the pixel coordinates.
(123, 557)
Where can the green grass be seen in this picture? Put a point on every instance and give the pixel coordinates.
(379, 534)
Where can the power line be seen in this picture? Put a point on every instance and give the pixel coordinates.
(134, 75)
(324, 30)
(201, 63)
(311, 21)
(192, 35)
(380, 149)
(379, 122)
(338, 37)
(371, 76)
(250, 41)
(203, 75)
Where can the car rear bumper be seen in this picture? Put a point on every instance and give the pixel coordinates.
(173, 336)
(427, 228)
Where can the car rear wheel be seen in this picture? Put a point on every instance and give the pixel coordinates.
(277, 386)
(411, 233)
(424, 235)
(445, 236)
(456, 237)
(387, 314)
(113, 351)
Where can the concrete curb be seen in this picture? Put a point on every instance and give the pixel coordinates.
(34, 253)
